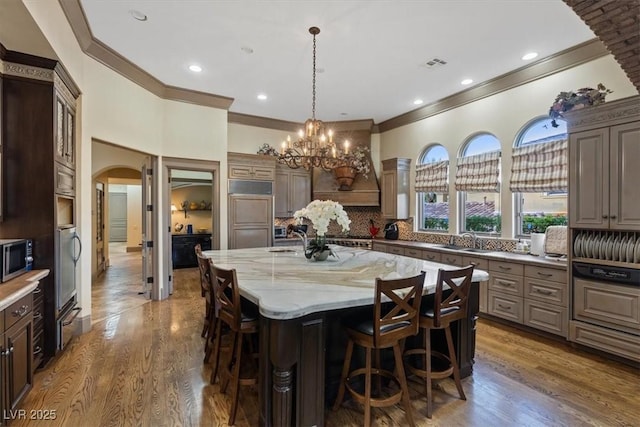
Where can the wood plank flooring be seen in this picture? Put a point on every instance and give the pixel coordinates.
(141, 365)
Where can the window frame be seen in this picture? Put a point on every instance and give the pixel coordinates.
(518, 198)
(420, 195)
(461, 196)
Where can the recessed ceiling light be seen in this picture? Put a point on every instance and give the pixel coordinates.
(246, 49)
(466, 82)
(529, 56)
(138, 15)
(262, 96)
(418, 102)
(195, 68)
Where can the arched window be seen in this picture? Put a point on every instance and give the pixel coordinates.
(432, 189)
(478, 184)
(539, 177)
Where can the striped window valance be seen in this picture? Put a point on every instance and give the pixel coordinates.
(479, 173)
(433, 177)
(540, 167)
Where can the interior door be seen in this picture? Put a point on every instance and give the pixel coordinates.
(147, 228)
(100, 258)
(117, 217)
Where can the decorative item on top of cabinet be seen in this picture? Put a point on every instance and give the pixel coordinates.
(292, 190)
(395, 188)
(251, 166)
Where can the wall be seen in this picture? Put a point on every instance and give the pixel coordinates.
(503, 115)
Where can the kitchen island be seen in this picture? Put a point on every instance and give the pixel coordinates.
(301, 303)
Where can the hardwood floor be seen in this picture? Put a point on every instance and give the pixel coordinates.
(141, 365)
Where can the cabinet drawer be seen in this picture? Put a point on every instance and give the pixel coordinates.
(432, 256)
(239, 171)
(18, 310)
(415, 253)
(506, 267)
(267, 174)
(547, 317)
(479, 263)
(606, 304)
(379, 247)
(452, 259)
(605, 339)
(543, 290)
(506, 306)
(506, 283)
(395, 250)
(542, 273)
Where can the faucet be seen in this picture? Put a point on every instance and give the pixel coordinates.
(473, 236)
(303, 237)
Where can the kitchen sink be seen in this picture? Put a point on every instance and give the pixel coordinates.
(455, 247)
(475, 250)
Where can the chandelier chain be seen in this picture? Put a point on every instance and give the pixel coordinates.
(313, 99)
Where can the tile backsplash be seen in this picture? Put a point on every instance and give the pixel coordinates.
(360, 217)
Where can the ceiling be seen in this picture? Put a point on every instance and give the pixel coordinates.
(371, 55)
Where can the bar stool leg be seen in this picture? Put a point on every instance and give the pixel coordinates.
(343, 377)
(427, 361)
(216, 353)
(403, 384)
(454, 363)
(367, 388)
(235, 375)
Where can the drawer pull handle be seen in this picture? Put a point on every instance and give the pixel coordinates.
(431, 257)
(613, 217)
(543, 291)
(506, 284)
(37, 316)
(502, 267)
(506, 307)
(37, 291)
(544, 274)
(37, 350)
(21, 311)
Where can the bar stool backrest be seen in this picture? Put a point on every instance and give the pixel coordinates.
(454, 306)
(227, 295)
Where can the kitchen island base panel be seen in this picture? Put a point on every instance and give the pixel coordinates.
(301, 361)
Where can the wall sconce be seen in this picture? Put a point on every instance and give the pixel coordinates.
(174, 209)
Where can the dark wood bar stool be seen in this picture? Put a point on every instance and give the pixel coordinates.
(241, 324)
(439, 316)
(392, 322)
(203, 267)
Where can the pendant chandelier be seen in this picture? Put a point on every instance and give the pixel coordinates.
(314, 147)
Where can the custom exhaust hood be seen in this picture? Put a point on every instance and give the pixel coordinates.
(364, 191)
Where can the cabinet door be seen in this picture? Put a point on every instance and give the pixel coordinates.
(19, 369)
(389, 184)
(60, 129)
(624, 206)
(281, 193)
(70, 139)
(299, 190)
(250, 221)
(588, 183)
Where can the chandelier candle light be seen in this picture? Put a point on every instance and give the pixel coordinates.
(315, 146)
(320, 213)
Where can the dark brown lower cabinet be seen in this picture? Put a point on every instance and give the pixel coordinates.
(16, 356)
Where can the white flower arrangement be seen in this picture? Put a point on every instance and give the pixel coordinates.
(320, 213)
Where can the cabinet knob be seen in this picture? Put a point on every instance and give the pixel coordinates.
(613, 217)
(21, 311)
(605, 216)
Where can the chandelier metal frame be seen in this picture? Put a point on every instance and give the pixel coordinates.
(314, 148)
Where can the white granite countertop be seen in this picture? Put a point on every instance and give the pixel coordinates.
(558, 263)
(15, 289)
(285, 285)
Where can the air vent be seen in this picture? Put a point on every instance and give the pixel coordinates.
(435, 63)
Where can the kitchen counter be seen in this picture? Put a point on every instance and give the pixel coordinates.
(302, 304)
(15, 289)
(496, 255)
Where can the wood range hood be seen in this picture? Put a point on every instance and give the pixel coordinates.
(365, 191)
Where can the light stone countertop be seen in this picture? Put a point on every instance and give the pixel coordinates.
(15, 289)
(560, 264)
(285, 285)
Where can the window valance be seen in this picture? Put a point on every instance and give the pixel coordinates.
(540, 167)
(433, 177)
(479, 173)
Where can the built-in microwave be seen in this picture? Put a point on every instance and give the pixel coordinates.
(17, 258)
